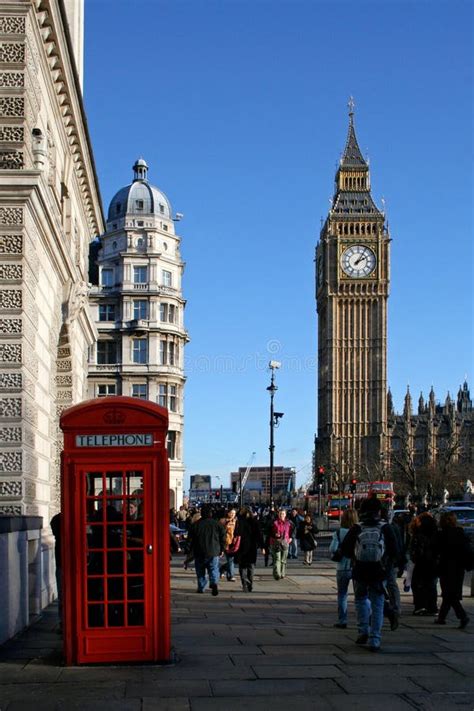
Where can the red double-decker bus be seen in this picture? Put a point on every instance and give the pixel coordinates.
(382, 490)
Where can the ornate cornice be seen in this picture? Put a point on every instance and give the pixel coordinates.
(53, 28)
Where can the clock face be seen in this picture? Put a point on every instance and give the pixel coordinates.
(358, 261)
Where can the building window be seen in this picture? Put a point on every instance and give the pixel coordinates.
(168, 397)
(106, 352)
(172, 398)
(106, 312)
(168, 353)
(167, 278)
(163, 395)
(140, 309)
(163, 352)
(107, 277)
(140, 350)
(171, 444)
(162, 208)
(171, 354)
(106, 390)
(140, 390)
(140, 275)
(168, 313)
(139, 204)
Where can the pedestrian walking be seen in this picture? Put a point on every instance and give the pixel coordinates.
(394, 569)
(251, 539)
(231, 545)
(344, 565)
(455, 556)
(307, 532)
(295, 519)
(369, 544)
(266, 527)
(280, 540)
(423, 553)
(207, 541)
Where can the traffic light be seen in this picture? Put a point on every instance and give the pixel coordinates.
(217, 494)
(353, 486)
(320, 477)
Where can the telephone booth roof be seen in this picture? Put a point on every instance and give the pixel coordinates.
(116, 412)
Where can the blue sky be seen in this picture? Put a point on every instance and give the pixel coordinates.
(240, 109)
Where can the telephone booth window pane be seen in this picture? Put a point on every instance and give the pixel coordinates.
(94, 484)
(134, 535)
(114, 484)
(135, 562)
(134, 483)
(115, 589)
(114, 563)
(136, 616)
(114, 536)
(95, 509)
(95, 536)
(116, 615)
(95, 563)
(95, 616)
(95, 589)
(135, 588)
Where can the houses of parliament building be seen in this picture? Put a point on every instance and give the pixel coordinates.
(359, 434)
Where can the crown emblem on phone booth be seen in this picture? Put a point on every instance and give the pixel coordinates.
(114, 417)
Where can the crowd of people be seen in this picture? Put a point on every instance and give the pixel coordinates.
(369, 551)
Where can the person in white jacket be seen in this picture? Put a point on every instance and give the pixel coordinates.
(344, 567)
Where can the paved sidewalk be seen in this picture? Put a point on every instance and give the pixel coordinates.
(270, 650)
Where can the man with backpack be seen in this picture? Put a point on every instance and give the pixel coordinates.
(372, 546)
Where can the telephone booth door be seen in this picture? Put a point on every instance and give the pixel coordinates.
(115, 528)
(117, 560)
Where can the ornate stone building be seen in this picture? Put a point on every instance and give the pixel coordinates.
(437, 440)
(352, 286)
(138, 308)
(49, 211)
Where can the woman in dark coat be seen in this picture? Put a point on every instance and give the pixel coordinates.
(423, 553)
(251, 540)
(453, 551)
(307, 537)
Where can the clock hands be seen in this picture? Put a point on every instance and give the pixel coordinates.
(362, 256)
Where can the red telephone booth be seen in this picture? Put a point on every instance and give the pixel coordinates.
(115, 532)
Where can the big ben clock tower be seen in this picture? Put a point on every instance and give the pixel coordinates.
(352, 286)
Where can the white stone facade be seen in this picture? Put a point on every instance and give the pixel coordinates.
(138, 310)
(49, 212)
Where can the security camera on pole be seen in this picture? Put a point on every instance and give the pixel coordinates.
(274, 418)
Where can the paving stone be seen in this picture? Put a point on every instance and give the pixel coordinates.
(368, 702)
(21, 691)
(174, 688)
(383, 683)
(262, 703)
(301, 658)
(290, 649)
(274, 688)
(222, 649)
(447, 702)
(151, 704)
(387, 659)
(290, 671)
(404, 670)
(453, 684)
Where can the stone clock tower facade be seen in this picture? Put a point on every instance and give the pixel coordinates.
(352, 287)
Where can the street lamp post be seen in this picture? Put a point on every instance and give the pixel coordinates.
(274, 417)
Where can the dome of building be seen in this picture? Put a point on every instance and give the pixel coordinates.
(140, 197)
